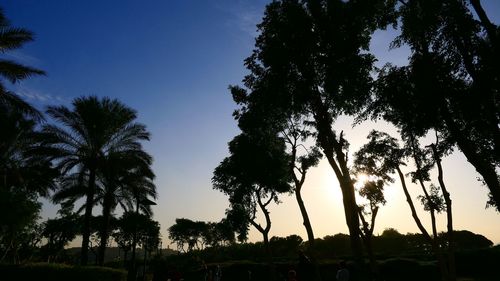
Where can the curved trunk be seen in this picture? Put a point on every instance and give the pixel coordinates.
(332, 148)
(435, 247)
(298, 195)
(87, 217)
(305, 217)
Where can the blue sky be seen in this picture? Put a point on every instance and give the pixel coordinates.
(172, 61)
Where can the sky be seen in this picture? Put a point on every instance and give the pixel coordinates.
(173, 61)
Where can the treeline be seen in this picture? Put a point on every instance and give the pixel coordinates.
(400, 257)
(80, 156)
(390, 243)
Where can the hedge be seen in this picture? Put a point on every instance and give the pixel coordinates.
(59, 272)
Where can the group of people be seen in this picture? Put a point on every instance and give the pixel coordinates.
(212, 274)
(305, 271)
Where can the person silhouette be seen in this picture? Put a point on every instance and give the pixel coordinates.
(292, 275)
(343, 272)
(304, 268)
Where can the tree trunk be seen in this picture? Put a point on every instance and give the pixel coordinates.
(449, 217)
(87, 217)
(106, 216)
(134, 241)
(435, 247)
(305, 217)
(485, 21)
(333, 150)
(485, 169)
(298, 195)
(125, 256)
(265, 230)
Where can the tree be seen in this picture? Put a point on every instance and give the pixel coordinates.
(90, 130)
(19, 168)
(382, 156)
(125, 231)
(123, 173)
(254, 116)
(187, 232)
(253, 176)
(59, 232)
(452, 80)
(19, 213)
(466, 240)
(23, 178)
(217, 234)
(310, 59)
(12, 38)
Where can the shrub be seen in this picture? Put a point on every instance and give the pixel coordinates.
(56, 272)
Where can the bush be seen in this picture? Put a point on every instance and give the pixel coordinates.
(408, 269)
(56, 272)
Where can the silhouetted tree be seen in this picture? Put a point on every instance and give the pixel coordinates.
(255, 116)
(23, 178)
(466, 240)
(309, 60)
(452, 81)
(19, 213)
(218, 234)
(124, 232)
(59, 232)
(123, 173)
(382, 156)
(90, 130)
(373, 191)
(187, 232)
(252, 177)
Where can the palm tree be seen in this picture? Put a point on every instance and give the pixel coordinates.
(123, 174)
(18, 168)
(89, 132)
(12, 38)
(23, 179)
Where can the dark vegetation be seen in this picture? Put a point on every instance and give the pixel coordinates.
(399, 256)
(311, 64)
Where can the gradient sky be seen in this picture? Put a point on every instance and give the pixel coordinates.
(172, 61)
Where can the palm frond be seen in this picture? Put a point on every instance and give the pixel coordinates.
(13, 38)
(14, 72)
(11, 101)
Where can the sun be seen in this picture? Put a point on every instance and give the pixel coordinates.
(361, 179)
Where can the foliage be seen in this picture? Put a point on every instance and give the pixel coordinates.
(146, 230)
(310, 60)
(23, 178)
(19, 168)
(59, 232)
(186, 232)
(199, 234)
(86, 134)
(12, 38)
(253, 176)
(18, 224)
(451, 79)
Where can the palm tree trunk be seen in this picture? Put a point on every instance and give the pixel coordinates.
(106, 215)
(87, 217)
